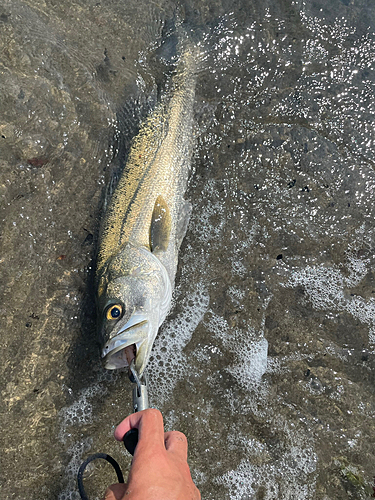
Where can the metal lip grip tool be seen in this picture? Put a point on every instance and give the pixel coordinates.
(140, 402)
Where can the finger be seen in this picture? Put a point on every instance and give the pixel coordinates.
(115, 492)
(176, 442)
(149, 424)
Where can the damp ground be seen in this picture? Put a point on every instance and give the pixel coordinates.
(266, 361)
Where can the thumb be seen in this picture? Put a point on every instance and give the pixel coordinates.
(115, 492)
(150, 425)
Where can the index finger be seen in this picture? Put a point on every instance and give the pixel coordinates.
(149, 424)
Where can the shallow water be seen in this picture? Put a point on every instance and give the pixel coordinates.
(266, 361)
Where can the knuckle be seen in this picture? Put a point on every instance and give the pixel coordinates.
(179, 436)
(154, 413)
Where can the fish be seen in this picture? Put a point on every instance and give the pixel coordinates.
(144, 224)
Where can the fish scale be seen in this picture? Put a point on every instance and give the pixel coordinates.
(145, 222)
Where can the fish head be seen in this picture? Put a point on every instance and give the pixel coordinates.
(134, 295)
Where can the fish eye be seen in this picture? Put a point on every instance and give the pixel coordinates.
(114, 312)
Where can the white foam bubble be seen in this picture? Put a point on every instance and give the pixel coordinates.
(252, 362)
(199, 477)
(168, 363)
(287, 477)
(76, 452)
(250, 348)
(210, 224)
(326, 289)
(357, 270)
(80, 412)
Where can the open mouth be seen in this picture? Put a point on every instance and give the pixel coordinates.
(119, 351)
(121, 358)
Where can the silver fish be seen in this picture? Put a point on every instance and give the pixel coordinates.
(144, 225)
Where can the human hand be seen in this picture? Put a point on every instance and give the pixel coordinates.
(159, 469)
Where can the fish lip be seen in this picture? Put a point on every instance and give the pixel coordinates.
(122, 340)
(135, 319)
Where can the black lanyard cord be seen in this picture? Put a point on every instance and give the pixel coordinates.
(81, 470)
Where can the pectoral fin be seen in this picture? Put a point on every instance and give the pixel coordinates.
(160, 226)
(183, 222)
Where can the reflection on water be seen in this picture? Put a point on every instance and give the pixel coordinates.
(267, 359)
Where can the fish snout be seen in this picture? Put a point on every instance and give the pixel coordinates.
(119, 351)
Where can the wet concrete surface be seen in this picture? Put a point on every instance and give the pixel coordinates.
(266, 361)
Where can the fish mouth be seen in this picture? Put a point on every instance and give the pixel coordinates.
(125, 346)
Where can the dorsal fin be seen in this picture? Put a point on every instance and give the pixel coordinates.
(160, 229)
